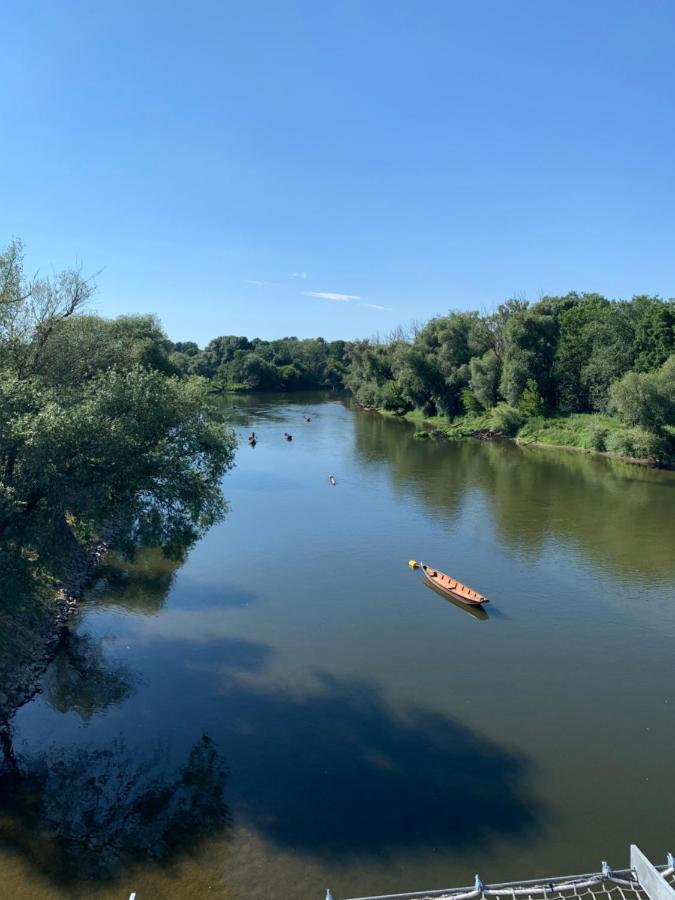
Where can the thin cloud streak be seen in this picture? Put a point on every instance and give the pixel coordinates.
(261, 283)
(378, 307)
(298, 275)
(329, 295)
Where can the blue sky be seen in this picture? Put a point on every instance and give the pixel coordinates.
(244, 167)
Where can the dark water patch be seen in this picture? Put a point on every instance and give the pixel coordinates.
(337, 772)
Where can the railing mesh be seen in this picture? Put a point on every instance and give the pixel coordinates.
(604, 885)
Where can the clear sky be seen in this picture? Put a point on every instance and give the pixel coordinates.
(283, 167)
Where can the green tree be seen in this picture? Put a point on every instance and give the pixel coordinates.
(531, 403)
(646, 400)
(485, 375)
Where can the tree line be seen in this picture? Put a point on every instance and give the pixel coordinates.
(286, 364)
(524, 362)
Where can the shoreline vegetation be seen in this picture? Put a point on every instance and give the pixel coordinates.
(575, 432)
(108, 424)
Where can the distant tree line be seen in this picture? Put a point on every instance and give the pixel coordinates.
(287, 364)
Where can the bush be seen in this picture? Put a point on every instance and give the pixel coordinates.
(368, 394)
(636, 442)
(597, 437)
(391, 399)
(506, 419)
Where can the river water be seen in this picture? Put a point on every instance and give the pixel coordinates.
(292, 708)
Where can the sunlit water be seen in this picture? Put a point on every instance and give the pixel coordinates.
(292, 709)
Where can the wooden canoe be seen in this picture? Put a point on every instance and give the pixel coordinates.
(452, 588)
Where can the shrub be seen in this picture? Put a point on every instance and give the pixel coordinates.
(506, 419)
(636, 442)
(597, 437)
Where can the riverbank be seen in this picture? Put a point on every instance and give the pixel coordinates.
(31, 632)
(581, 432)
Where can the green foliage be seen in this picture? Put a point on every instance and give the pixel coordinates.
(558, 357)
(485, 378)
(531, 403)
(287, 364)
(470, 403)
(506, 419)
(97, 429)
(529, 348)
(646, 400)
(587, 431)
(597, 438)
(638, 443)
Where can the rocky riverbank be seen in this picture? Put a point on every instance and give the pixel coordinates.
(34, 639)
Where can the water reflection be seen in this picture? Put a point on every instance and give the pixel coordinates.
(613, 514)
(82, 680)
(139, 584)
(82, 813)
(477, 612)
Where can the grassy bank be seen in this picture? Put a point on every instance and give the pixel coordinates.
(590, 432)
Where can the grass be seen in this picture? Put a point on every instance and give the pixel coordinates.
(587, 431)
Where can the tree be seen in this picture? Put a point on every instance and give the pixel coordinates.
(531, 403)
(485, 378)
(646, 400)
(529, 347)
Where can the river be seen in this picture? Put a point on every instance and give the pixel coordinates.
(291, 709)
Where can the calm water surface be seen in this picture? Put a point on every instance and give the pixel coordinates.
(292, 709)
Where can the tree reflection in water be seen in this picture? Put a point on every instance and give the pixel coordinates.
(90, 813)
(82, 680)
(612, 513)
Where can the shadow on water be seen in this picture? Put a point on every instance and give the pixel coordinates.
(338, 773)
(331, 772)
(335, 771)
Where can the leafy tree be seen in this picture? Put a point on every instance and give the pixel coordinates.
(531, 403)
(646, 400)
(485, 378)
(529, 348)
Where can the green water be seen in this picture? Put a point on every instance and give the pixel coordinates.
(292, 709)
